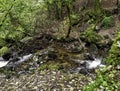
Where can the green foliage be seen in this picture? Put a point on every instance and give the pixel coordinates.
(105, 81)
(58, 8)
(74, 19)
(90, 35)
(4, 50)
(96, 13)
(2, 42)
(97, 7)
(17, 19)
(108, 22)
(114, 53)
(93, 16)
(15, 35)
(50, 66)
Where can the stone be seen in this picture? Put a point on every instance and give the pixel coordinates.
(76, 47)
(26, 39)
(45, 55)
(97, 28)
(88, 56)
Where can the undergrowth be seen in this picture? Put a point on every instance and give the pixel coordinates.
(108, 79)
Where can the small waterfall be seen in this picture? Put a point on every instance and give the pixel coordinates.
(92, 64)
(14, 61)
(3, 62)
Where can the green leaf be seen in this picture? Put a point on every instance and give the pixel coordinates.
(3, 50)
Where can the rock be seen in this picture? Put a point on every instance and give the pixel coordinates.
(75, 47)
(93, 50)
(81, 70)
(88, 66)
(51, 54)
(7, 56)
(88, 56)
(45, 55)
(26, 39)
(97, 28)
(118, 67)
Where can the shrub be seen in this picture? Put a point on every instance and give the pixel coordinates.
(114, 53)
(105, 81)
(108, 22)
(90, 36)
(4, 50)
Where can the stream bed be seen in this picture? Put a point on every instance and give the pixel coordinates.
(56, 67)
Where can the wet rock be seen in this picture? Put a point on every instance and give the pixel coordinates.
(81, 70)
(76, 48)
(51, 54)
(45, 55)
(93, 50)
(7, 56)
(88, 56)
(88, 66)
(33, 44)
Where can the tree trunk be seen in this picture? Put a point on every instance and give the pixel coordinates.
(70, 25)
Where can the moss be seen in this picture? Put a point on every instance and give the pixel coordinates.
(108, 22)
(90, 36)
(92, 15)
(3, 50)
(50, 66)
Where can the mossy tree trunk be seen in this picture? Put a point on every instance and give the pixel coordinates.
(70, 7)
(97, 7)
(69, 12)
(54, 8)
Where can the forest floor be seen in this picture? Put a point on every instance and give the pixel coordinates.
(60, 79)
(45, 80)
(30, 76)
